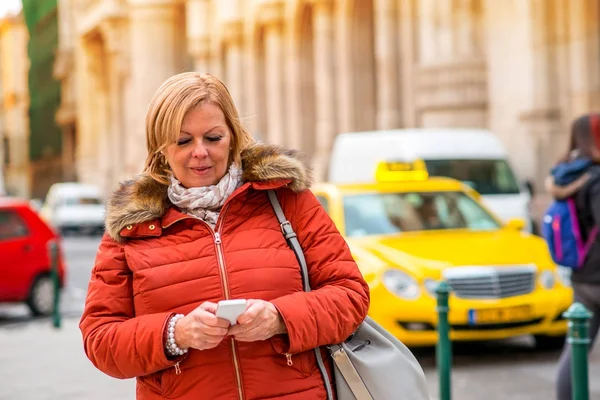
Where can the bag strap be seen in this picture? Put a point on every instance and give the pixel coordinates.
(350, 374)
(290, 237)
(292, 240)
(341, 359)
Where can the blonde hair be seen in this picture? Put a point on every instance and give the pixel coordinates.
(172, 101)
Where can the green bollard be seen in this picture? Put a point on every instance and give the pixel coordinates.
(579, 340)
(444, 347)
(53, 254)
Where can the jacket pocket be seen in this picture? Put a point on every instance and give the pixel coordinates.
(301, 362)
(152, 381)
(168, 380)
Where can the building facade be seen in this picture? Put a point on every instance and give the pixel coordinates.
(14, 106)
(301, 71)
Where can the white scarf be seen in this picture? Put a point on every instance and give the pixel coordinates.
(205, 202)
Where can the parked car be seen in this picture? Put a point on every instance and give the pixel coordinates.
(73, 207)
(409, 231)
(25, 260)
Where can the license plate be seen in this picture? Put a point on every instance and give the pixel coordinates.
(499, 315)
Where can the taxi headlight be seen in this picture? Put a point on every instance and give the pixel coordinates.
(401, 284)
(430, 286)
(546, 279)
(564, 275)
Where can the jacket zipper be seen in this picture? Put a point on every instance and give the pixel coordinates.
(221, 259)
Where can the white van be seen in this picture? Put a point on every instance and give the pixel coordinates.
(74, 207)
(473, 156)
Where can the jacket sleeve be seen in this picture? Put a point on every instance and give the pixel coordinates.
(339, 300)
(117, 342)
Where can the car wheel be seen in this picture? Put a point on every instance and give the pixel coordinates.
(545, 342)
(41, 296)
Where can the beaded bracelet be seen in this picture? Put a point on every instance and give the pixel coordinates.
(170, 344)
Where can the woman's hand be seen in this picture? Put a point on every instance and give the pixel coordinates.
(260, 321)
(201, 329)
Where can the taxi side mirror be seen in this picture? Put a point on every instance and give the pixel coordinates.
(517, 224)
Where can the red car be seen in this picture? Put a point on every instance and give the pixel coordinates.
(25, 259)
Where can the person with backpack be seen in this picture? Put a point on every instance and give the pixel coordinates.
(571, 224)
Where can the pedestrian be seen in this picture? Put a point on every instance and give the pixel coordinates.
(197, 227)
(577, 176)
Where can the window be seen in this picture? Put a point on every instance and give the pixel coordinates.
(74, 201)
(324, 202)
(485, 176)
(389, 213)
(12, 226)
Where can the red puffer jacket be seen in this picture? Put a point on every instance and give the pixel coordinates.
(155, 261)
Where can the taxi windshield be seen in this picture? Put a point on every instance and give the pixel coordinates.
(389, 213)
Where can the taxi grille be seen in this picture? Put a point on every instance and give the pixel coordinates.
(490, 282)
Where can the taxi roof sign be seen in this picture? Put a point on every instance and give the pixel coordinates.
(394, 171)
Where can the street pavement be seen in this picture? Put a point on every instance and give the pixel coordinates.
(38, 361)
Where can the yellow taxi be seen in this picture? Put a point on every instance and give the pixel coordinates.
(408, 231)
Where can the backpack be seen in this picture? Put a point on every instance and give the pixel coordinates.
(561, 230)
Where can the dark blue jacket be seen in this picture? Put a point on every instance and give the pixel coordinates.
(581, 179)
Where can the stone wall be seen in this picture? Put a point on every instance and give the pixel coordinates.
(302, 71)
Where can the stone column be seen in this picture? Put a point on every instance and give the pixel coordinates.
(293, 90)
(252, 90)
(509, 65)
(543, 52)
(584, 56)
(444, 38)
(84, 160)
(324, 85)
(272, 18)
(408, 48)
(542, 119)
(117, 65)
(216, 56)
(427, 43)
(344, 74)
(101, 171)
(197, 14)
(234, 79)
(154, 58)
(466, 30)
(387, 66)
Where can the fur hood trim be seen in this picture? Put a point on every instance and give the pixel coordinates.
(142, 199)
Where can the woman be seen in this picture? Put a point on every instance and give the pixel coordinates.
(196, 228)
(578, 176)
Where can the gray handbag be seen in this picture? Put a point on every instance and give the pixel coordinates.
(371, 364)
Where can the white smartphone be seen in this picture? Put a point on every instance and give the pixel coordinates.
(231, 310)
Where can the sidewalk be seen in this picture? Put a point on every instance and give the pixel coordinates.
(38, 362)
